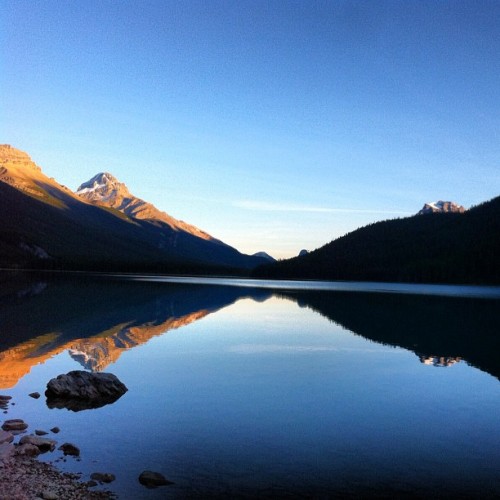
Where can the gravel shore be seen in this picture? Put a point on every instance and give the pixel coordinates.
(26, 478)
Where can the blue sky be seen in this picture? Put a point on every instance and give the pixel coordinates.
(273, 125)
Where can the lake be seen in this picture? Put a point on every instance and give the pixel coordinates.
(244, 388)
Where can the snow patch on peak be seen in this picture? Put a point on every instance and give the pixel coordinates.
(103, 187)
(100, 180)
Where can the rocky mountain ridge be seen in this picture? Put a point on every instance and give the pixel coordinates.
(107, 191)
(18, 170)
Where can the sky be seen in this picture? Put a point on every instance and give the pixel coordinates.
(272, 125)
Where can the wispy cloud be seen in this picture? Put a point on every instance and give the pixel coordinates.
(264, 206)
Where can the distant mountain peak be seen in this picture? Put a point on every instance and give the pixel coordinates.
(441, 207)
(265, 255)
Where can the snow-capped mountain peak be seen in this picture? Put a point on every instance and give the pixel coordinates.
(102, 187)
(441, 207)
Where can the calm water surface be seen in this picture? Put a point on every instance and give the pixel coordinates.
(276, 390)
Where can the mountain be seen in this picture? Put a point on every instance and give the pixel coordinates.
(44, 225)
(265, 255)
(443, 248)
(441, 207)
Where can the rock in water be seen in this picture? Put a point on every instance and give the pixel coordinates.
(153, 479)
(70, 449)
(43, 444)
(4, 401)
(80, 390)
(15, 424)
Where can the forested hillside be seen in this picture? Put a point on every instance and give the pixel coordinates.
(432, 248)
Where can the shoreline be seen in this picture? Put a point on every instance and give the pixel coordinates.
(26, 478)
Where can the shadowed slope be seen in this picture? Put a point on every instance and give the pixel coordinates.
(43, 224)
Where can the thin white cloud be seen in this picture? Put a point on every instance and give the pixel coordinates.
(264, 206)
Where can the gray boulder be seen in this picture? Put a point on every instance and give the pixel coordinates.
(28, 450)
(79, 390)
(15, 425)
(43, 444)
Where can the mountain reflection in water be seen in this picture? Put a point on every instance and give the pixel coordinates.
(94, 319)
(97, 319)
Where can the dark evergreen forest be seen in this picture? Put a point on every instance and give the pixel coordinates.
(431, 248)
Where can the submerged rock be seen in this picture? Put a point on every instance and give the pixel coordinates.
(79, 390)
(34, 395)
(55, 430)
(70, 449)
(152, 479)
